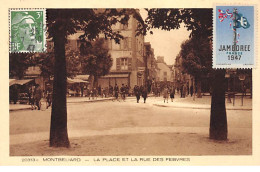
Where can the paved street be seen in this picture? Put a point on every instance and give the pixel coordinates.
(127, 128)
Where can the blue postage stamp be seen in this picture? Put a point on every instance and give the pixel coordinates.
(234, 37)
(27, 30)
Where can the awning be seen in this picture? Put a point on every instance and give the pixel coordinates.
(82, 77)
(73, 81)
(115, 76)
(75, 36)
(19, 82)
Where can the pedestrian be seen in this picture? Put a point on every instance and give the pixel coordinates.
(137, 93)
(144, 93)
(172, 92)
(32, 100)
(188, 89)
(82, 89)
(123, 91)
(49, 97)
(110, 90)
(38, 96)
(90, 93)
(244, 90)
(191, 90)
(102, 92)
(126, 90)
(14, 93)
(99, 90)
(158, 91)
(166, 94)
(116, 90)
(184, 91)
(181, 90)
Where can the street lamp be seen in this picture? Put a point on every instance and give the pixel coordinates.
(242, 77)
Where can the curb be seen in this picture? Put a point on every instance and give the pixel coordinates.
(91, 101)
(86, 101)
(18, 109)
(208, 108)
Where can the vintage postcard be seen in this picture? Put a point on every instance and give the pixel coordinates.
(97, 83)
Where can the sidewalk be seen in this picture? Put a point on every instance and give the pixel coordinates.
(187, 102)
(203, 103)
(86, 99)
(16, 107)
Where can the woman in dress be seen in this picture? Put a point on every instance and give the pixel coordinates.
(166, 94)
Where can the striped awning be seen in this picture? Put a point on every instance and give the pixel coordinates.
(115, 76)
(72, 81)
(19, 82)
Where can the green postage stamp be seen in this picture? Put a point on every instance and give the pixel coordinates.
(27, 30)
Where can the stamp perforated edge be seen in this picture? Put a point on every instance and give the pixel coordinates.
(235, 66)
(44, 28)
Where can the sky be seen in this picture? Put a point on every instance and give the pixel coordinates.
(166, 43)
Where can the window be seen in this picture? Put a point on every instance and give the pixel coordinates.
(165, 76)
(109, 42)
(115, 46)
(123, 26)
(124, 64)
(126, 44)
(129, 43)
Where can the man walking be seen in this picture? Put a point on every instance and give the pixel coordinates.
(144, 93)
(137, 93)
(191, 90)
(116, 90)
(122, 90)
(166, 94)
(172, 92)
(38, 96)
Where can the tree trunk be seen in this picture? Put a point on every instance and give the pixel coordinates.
(218, 117)
(95, 81)
(91, 80)
(58, 131)
(199, 88)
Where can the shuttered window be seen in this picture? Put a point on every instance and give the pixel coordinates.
(129, 43)
(118, 64)
(123, 63)
(129, 63)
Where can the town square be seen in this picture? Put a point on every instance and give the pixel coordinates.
(125, 82)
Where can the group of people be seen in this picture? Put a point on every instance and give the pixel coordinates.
(185, 90)
(36, 95)
(140, 91)
(110, 91)
(31, 94)
(123, 91)
(120, 92)
(168, 91)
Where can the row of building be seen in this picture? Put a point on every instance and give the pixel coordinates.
(133, 59)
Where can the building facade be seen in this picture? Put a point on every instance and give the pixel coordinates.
(165, 73)
(128, 57)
